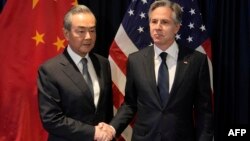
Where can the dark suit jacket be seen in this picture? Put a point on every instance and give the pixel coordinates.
(173, 122)
(67, 109)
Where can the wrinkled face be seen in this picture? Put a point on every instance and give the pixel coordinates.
(162, 27)
(82, 35)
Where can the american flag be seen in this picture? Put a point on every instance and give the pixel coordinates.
(133, 35)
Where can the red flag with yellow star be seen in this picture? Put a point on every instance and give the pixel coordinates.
(31, 32)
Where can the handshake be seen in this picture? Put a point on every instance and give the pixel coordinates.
(104, 132)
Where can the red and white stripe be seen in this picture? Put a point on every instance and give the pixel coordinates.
(121, 47)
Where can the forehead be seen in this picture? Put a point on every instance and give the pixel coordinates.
(162, 12)
(83, 20)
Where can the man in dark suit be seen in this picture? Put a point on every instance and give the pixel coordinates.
(163, 94)
(75, 87)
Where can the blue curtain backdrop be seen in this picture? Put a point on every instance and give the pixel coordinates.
(231, 61)
(228, 23)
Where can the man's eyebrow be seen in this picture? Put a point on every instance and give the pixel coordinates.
(84, 27)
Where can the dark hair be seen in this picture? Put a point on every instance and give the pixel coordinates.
(176, 8)
(67, 23)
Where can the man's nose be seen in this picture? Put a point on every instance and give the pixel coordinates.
(87, 36)
(158, 25)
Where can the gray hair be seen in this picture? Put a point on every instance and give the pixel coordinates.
(176, 8)
(77, 9)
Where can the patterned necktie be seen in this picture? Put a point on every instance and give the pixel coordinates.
(86, 75)
(163, 79)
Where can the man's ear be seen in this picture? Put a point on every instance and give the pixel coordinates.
(66, 33)
(177, 28)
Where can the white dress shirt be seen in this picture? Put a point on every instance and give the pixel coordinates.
(77, 60)
(171, 61)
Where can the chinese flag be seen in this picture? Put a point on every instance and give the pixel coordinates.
(30, 33)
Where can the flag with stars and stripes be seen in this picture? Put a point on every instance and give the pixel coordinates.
(31, 32)
(133, 35)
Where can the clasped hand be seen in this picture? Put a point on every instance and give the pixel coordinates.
(104, 132)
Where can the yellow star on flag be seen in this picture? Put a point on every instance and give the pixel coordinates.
(75, 2)
(34, 3)
(59, 43)
(38, 38)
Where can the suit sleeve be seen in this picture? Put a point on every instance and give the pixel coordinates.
(203, 104)
(109, 110)
(53, 118)
(128, 109)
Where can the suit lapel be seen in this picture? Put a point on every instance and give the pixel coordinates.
(150, 71)
(97, 67)
(72, 71)
(182, 65)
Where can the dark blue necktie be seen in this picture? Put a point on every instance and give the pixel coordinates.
(163, 79)
(86, 75)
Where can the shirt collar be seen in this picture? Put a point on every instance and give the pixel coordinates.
(172, 51)
(75, 57)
